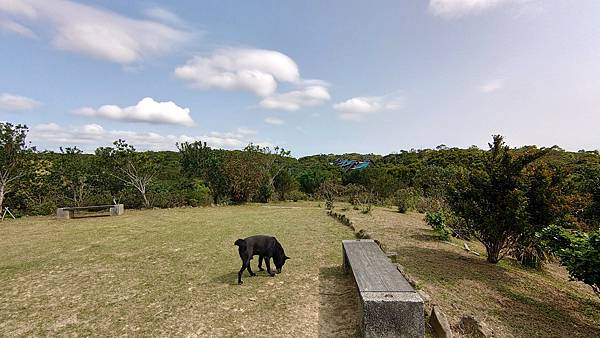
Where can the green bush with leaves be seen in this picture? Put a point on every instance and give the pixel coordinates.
(406, 199)
(579, 252)
(297, 195)
(200, 195)
(437, 220)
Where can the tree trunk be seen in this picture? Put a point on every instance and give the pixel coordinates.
(1, 197)
(146, 202)
(493, 253)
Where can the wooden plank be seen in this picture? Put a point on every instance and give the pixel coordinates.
(372, 270)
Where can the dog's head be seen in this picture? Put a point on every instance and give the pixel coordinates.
(279, 262)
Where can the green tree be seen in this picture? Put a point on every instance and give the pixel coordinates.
(132, 168)
(73, 170)
(284, 183)
(200, 161)
(493, 201)
(14, 153)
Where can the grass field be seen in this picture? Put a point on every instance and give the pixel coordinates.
(173, 272)
(512, 300)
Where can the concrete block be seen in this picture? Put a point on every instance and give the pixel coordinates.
(117, 210)
(64, 213)
(392, 314)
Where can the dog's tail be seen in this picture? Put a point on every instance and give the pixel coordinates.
(240, 242)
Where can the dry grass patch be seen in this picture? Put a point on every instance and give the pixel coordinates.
(173, 272)
(513, 300)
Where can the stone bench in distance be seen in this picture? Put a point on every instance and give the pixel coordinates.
(69, 212)
(390, 306)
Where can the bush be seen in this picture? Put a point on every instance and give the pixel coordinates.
(578, 252)
(437, 221)
(41, 209)
(264, 193)
(297, 195)
(406, 199)
(200, 195)
(430, 204)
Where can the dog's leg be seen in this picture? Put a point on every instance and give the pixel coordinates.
(252, 274)
(241, 271)
(268, 263)
(260, 260)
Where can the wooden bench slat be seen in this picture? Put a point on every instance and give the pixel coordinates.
(372, 270)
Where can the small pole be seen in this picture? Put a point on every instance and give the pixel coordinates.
(10, 213)
(6, 210)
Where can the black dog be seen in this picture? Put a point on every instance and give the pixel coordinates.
(266, 247)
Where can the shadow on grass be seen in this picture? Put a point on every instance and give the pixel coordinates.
(230, 278)
(531, 306)
(338, 303)
(425, 237)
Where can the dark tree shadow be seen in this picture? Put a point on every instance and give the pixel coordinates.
(338, 303)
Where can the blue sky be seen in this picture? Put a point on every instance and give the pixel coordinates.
(311, 76)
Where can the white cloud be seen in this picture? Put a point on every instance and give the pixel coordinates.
(246, 131)
(274, 121)
(15, 27)
(357, 108)
(255, 70)
(93, 31)
(90, 136)
(451, 9)
(164, 15)
(492, 86)
(294, 100)
(10, 102)
(147, 110)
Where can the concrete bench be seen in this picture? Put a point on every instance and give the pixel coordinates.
(390, 306)
(69, 212)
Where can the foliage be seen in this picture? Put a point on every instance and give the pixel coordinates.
(406, 199)
(14, 152)
(310, 180)
(199, 195)
(578, 252)
(136, 169)
(200, 161)
(284, 183)
(437, 221)
(330, 191)
(493, 201)
(297, 196)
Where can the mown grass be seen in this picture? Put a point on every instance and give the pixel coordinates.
(511, 299)
(173, 272)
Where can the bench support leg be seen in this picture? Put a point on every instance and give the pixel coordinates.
(393, 314)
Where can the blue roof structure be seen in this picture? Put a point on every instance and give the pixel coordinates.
(349, 165)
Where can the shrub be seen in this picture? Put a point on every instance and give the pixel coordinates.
(437, 221)
(406, 199)
(200, 195)
(578, 252)
(297, 195)
(264, 193)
